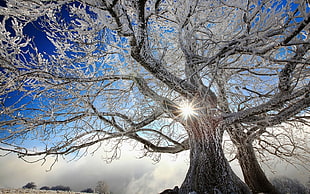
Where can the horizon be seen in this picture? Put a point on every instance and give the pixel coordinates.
(127, 175)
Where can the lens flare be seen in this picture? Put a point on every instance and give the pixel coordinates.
(187, 110)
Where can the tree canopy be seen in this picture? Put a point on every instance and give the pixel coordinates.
(166, 74)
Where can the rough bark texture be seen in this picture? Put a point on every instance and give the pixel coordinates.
(209, 171)
(252, 172)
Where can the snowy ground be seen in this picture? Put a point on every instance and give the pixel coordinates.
(32, 191)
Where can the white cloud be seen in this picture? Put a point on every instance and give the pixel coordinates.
(128, 175)
(166, 174)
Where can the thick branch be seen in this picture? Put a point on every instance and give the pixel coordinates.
(285, 74)
(276, 102)
(141, 53)
(166, 103)
(297, 30)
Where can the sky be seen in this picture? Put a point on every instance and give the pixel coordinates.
(127, 175)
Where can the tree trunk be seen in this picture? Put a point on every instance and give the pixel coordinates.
(209, 171)
(252, 172)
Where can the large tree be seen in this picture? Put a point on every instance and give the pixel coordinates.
(172, 75)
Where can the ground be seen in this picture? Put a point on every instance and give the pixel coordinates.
(33, 191)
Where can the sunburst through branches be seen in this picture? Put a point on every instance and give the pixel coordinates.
(188, 109)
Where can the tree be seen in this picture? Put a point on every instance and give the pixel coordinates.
(102, 188)
(171, 75)
(287, 142)
(30, 185)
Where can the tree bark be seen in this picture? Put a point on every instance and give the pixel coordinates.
(209, 171)
(254, 176)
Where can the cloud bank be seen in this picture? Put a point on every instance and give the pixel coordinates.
(128, 175)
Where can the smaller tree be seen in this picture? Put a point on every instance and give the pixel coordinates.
(102, 188)
(88, 190)
(30, 185)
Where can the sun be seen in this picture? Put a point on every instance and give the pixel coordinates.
(187, 110)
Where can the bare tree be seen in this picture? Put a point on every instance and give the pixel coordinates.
(288, 143)
(171, 75)
(102, 188)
